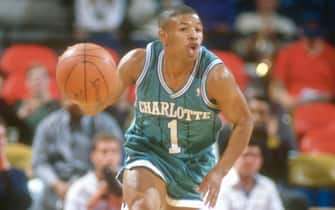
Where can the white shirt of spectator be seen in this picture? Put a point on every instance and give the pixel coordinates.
(250, 22)
(263, 196)
(81, 191)
(99, 15)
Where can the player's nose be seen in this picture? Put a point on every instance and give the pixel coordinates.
(193, 35)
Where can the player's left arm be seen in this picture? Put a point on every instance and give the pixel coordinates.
(223, 90)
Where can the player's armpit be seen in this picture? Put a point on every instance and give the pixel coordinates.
(128, 70)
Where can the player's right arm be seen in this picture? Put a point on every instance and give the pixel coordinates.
(128, 70)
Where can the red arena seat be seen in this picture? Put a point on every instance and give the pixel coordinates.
(319, 140)
(15, 61)
(310, 116)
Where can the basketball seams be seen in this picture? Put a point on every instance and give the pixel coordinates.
(69, 75)
(101, 74)
(85, 78)
(85, 69)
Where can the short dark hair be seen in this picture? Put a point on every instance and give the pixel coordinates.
(167, 14)
(104, 137)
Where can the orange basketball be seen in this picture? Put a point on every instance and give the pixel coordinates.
(86, 73)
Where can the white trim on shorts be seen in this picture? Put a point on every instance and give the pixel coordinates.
(169, 200)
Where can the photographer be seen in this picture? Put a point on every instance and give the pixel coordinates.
(98, 189)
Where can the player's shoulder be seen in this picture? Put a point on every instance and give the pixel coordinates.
(139, 54)
(131, 64)
(134, 56)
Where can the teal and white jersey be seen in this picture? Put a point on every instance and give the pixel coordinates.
(172, 132)
(181, 123)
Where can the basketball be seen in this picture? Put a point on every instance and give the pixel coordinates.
(85, 73)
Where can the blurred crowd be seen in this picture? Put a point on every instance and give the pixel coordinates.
(281, 53)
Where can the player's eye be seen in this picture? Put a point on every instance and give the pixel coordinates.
(183, 29)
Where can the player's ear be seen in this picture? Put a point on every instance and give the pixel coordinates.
(162, 35)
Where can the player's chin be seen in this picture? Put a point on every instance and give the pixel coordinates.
(192, 54)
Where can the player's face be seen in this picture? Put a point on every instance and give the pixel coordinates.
(183, 35)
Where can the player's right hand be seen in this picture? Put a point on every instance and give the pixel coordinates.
(210, 187)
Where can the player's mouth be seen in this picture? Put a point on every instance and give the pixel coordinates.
(193, 49)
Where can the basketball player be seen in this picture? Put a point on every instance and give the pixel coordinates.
(181, 87)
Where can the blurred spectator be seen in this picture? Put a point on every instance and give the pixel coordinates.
(218, 18)
(250, 190)
(98, 189)
(8, 114)
(142, 19)
(17, 59)
(99, 21)
(14, 194)
(265, 20)
(61, 149)
(304, 71)
(263, 31)
(275, 130)
(39, 103)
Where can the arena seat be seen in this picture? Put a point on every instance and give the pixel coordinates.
(235, 65)
(319, 140)
(15, 61)
(115, 55)
(310, 116)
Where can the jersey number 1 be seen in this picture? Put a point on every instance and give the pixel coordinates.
(174, 148)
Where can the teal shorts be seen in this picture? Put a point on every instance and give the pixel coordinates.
(181, 175)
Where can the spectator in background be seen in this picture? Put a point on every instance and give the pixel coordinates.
(263, 30)
(275, 136)
(142, 19)
(14, 194)
(99, 21)
(250, 191)
(39, 103)
(218, 17)
(8, 114)
(304, 71)
(98, 189)
(275, 131)
(61, 149)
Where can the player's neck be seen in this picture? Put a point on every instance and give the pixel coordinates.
(176, 66)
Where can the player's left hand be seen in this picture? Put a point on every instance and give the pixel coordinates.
(210, 187)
